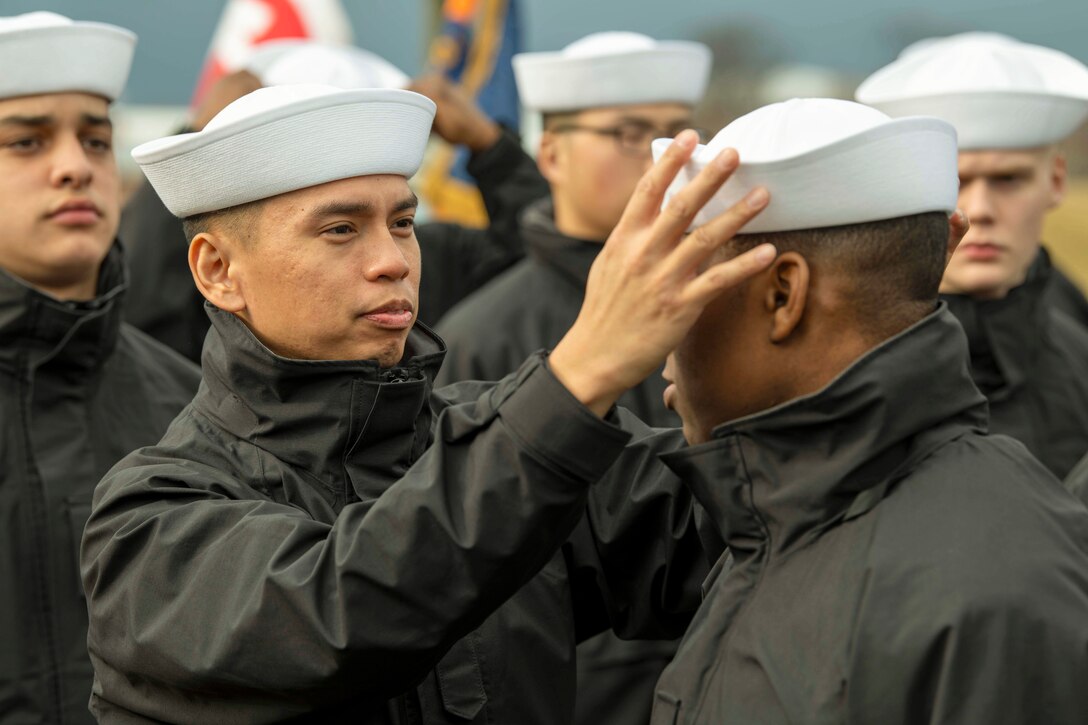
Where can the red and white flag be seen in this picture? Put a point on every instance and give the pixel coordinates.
(245, 24)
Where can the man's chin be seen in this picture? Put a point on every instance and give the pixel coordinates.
(979, 282)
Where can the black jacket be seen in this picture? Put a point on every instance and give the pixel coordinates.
(529, 307)
(456, 261)
(78, 390)
(1063, 294)
(329, 539)
(1030, 360)
(890, 562)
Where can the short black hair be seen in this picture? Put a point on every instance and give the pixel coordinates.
(237, 221)
(893, 267)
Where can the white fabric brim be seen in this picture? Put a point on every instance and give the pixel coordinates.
(82, 57)
(906, 166)
(311, 142)
(1005, 120)
(671, 72)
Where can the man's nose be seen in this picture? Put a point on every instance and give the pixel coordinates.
(976, 201)
(71, 167)
(388, 260)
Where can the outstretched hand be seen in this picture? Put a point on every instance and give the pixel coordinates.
(648, 285)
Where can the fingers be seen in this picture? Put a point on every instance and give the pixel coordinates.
(729, 273)
(697, 247)
(676, 217)
(645, 203)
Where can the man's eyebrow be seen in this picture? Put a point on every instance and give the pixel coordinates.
(408, 202)
(27, 121)
(1010, 170)
(358, 208)
(85, 119)
(89, 119)
(341, 208)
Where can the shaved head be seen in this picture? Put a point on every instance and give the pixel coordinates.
(888, 272)
(237, 222)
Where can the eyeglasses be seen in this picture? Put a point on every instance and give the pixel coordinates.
(632, 138)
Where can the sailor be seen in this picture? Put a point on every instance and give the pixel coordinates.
(887, 560)
(167, 305)
(1012, 105)
(79, 389)
(319, 535)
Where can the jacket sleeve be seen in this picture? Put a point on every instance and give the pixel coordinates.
(639, 556)
(201, 590)
(458, 260)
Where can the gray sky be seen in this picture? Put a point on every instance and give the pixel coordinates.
(848, 35)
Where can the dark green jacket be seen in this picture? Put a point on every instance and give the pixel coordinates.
(329, 539)
(456, 260)
(889, 562)
(1030, 360)
(78, 391)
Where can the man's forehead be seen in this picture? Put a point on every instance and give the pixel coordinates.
(54, 105)
(652, 113)
(998, 161)
(376, 194)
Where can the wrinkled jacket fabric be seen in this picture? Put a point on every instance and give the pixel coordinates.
(888, 561)
(455, 260)
(328, 539)
(1030, 360)
(78, 391)
(1064, 294)
(529, 307)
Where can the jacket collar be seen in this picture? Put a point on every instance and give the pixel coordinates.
(568, 256)
(347, 422)
(787, 473)
(1005, 335)
(73, 337)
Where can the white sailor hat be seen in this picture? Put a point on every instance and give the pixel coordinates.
(280, 139)
(999, 93)
(282, 62)
(48, 53)
(613, 69)
(829, 162)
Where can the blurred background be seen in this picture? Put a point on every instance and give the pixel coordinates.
(764, 52)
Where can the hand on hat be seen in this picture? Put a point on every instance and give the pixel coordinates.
(646, 288)
(459, 120)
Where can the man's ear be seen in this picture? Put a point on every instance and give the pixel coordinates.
(210, 263)
(958, 226)
(1059, 174)
(786, 295)
(547, 157)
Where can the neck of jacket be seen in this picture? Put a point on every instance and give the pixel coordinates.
(72, 339)
(570, 257)
(1005, 335)
(780, 477)
(351, 423)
